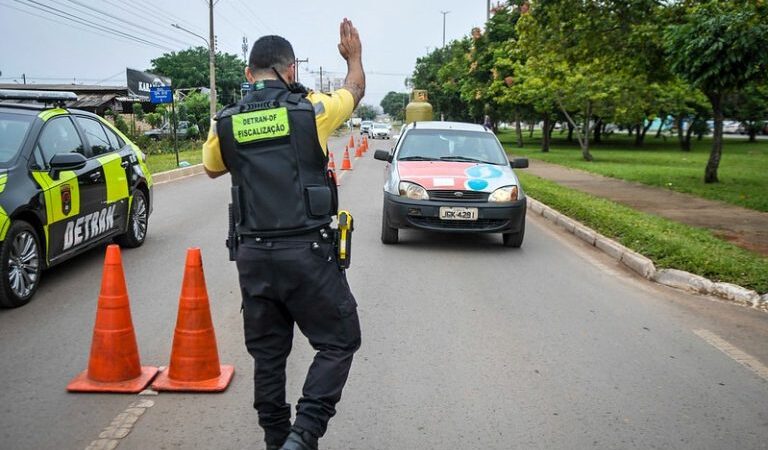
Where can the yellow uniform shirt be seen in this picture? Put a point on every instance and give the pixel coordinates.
(330, 112)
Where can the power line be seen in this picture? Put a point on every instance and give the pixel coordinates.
(77, 19)
(50, 19)
(166, 14)
(256, 16)
(148, 18)
(153, 33)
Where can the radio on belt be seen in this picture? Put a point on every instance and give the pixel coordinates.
(344, 239)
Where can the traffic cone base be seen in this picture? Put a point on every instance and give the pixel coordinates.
(82, 383)
(164, 383)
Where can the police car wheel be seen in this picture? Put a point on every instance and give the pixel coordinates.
(21, 265)
(137, 222)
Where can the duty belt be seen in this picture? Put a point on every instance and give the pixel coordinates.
(323, 234)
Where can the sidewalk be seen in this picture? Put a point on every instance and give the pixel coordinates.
(743, 227)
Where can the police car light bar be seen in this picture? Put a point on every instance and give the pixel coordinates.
(38, 96)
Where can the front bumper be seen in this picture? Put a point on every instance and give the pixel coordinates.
(425, 215)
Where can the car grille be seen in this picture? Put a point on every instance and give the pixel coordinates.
(458, 196)
(479, 224)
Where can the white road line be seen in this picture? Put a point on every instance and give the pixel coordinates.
(737, 355)
(120, 426)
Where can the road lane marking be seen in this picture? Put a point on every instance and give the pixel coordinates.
(120, 426)
(734, 353)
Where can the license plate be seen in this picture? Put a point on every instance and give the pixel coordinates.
(457, 213)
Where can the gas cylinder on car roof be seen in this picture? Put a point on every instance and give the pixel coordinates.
(419, 109)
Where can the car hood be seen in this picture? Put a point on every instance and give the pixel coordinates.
(452, 175)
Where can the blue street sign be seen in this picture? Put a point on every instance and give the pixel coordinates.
(160, 94)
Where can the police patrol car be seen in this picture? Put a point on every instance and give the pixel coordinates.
(69, 181)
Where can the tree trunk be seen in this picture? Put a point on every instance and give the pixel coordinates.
(661, 124)
(598, 131)
(631, 129)
(570, 132)
(530, 130)
(585, 142)
(518, 130)
(710, 173)
(752, 134)
(679, 125)
(688, 134)
(545, 134)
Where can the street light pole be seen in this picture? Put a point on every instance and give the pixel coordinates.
(444, 13)
(488, 10)
(212, 58)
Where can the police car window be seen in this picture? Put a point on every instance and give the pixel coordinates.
(59, 136)
(13, 129)
(114, 140)
(95, 135)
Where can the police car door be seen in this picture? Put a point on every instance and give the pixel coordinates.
(73, 199)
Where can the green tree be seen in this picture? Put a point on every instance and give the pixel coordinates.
(750, 107)
(719, 47)
(366, 112)
(154, 119)
(190, 68)
(394, 104)
(197, 110)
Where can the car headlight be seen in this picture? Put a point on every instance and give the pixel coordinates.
(413, 191)
(505, 194)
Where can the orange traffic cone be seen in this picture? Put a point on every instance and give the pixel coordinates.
(346, 164)
(359, 151)
(351, 142)
(195, 357)
(332, 168)
(114, 363)
(365, 142)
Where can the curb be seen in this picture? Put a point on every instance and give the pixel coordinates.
(645, 267)
(176, 174)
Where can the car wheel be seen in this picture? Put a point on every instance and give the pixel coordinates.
(21, 265)
(137, 222)
(389, 235)
(514, 240)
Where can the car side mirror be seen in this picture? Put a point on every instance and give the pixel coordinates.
(383, 155)
(519, 163)
(66, 161)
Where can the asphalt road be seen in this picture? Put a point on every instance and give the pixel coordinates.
(466, 345)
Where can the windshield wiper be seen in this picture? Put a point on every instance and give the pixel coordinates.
(464, 158)
(417, 158)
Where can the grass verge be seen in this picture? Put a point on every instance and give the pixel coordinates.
(669, 244)
(163, 158)
(661, 163)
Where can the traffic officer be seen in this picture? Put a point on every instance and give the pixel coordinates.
(273, 143)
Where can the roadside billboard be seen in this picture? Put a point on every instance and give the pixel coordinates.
(140, 83)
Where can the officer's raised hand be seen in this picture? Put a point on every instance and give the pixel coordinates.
(351, 50)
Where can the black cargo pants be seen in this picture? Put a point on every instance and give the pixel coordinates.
(296, 281)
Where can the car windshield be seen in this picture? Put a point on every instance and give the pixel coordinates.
(380, 125)
(13, 130)
(451, 145)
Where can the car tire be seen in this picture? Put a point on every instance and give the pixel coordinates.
(21, 265)
(514, 240)
(138, 221)
(389, 235)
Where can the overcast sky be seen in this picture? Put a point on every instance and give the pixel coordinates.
(51, 49)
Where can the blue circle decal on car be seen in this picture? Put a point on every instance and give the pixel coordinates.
(477, 184)
(483, 171)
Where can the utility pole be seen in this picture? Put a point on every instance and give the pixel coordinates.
(245, 50)
(212, 58)
(299, 61)
(488, 10)
(444, 13)
(321, 78)
(24, 77)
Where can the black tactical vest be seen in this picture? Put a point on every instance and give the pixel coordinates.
(280, 180)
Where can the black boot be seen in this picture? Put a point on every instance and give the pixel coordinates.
(273, 447)
(300, 440)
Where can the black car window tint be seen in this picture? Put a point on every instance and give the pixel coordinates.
(114, 141)
(59, 136)
(13, 130)
(95, 135)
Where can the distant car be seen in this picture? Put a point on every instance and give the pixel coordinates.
(166, 131)
(365, 127)
(731, 127)
(69, 181)
(380, 130)
(452, 177)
